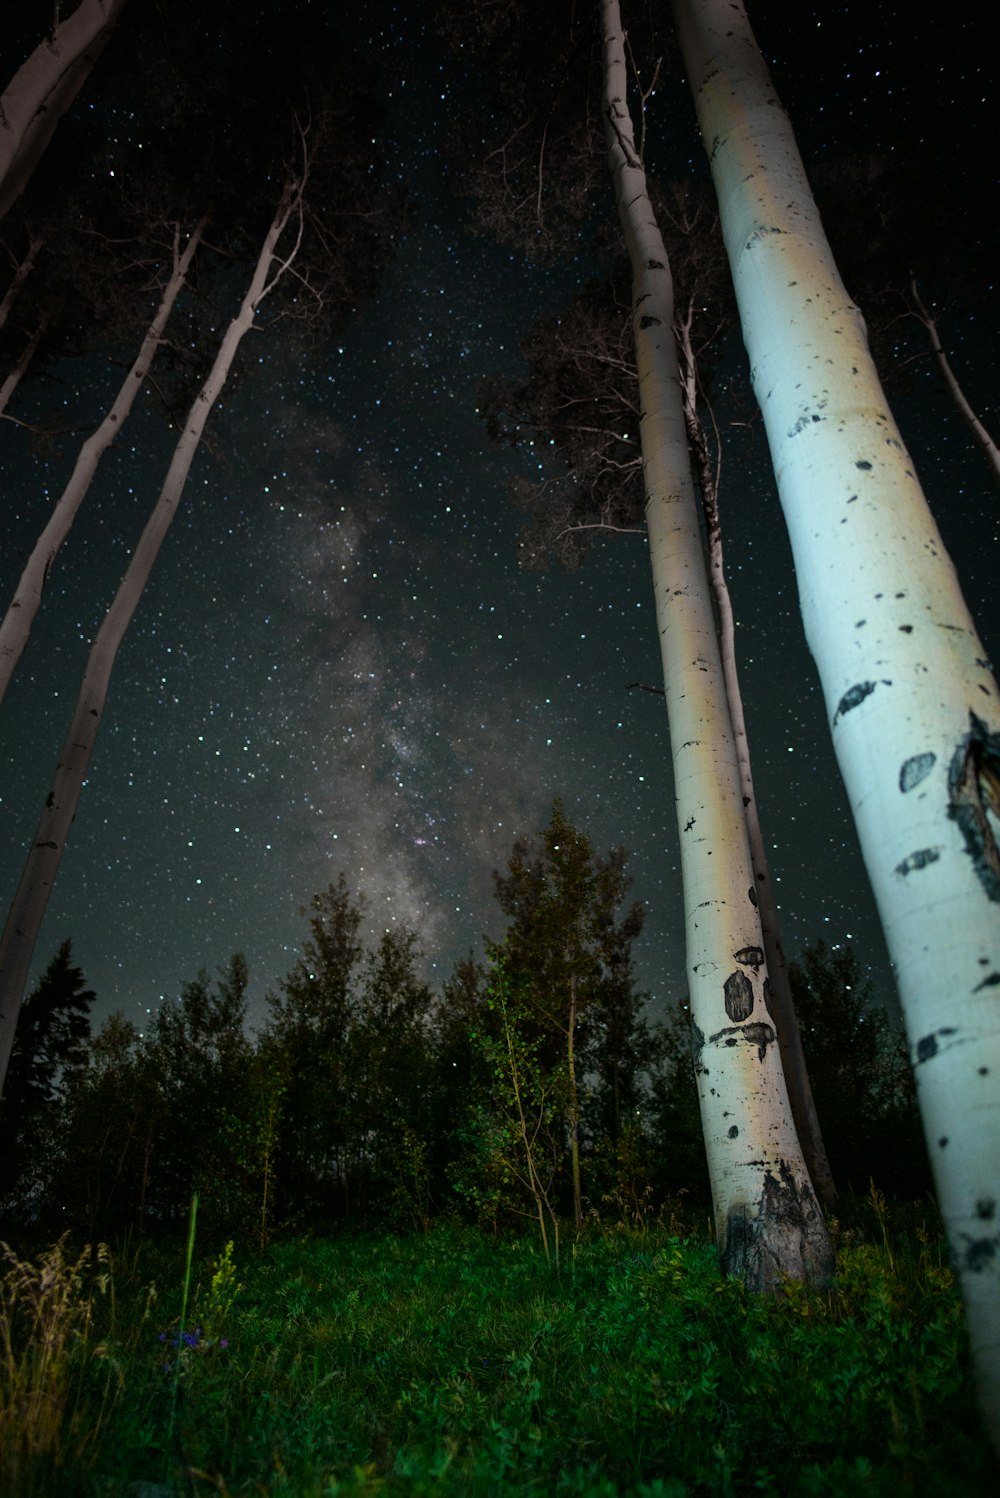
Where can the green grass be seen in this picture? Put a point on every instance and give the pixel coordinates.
(459, 1364)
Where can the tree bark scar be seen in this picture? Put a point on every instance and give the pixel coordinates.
(750, 957)
(927, 1046)
(915, 769)
(979, 1253)
(918, 860)
(974, 800)
(852, 697)
(738, 994)
(786, 1235)
(758, 1033)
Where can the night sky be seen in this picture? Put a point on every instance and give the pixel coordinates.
(338, 665)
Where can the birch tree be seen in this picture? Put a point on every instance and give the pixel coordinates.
(44, 87)
(768, 1222)
(276, 261)
(16, 625)
(912, 704)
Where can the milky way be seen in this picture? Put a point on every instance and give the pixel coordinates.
(338, 665)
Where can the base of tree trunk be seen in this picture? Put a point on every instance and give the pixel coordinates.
(786, 1238)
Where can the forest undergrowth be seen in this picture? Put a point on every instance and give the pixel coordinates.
(459, 1363)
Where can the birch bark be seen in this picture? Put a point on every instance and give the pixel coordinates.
(912, 704)
(20, 615)
(768, 1222)
(44, 87)
(20, 934)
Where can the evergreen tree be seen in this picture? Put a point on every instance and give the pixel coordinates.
(51, 1043)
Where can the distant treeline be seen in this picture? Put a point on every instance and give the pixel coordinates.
(533, 1079)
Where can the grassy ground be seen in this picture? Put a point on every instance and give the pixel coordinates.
(458, 1364)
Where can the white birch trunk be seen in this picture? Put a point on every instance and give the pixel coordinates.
(44, 87)
(42, 864)
(768, 1222)
(793, 1061)
(913, 707)
(20, 615)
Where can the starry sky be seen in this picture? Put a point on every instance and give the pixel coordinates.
(338, 666)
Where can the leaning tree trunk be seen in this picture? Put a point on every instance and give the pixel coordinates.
(793, 1060)
(768, 1221)
(21, 274)
(44, 87)
(17, 622)
(913, 707)
(21, 931)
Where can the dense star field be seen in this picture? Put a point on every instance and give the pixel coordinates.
(338, 665)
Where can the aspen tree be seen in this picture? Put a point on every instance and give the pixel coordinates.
(768, 1222)
(911, 701)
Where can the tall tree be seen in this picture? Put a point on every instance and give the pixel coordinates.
(567, 951)
(913, 707)
(44, 87)
(767, 1217)
(16, 624)
(51, 1041)
(308, 1037)
(768, 1221)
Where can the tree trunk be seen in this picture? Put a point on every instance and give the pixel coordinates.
(17, 622)
(44, 87)
(574, 1106)
(19, 277)
(913, 707)
(20, 369)
(793, 1061)
(21, 931)
(768, 1222)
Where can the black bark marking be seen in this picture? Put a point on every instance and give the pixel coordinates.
(915, 769)
(767, 994)
(862, 463)
(853, 696)
(750, 957)
(986, 1208)
(974, 800)
(738, 992)
(689, 824)
(943, 1142)
(646, 321)
(761, 1036)
(927, 1046)
(732, 1131)
(918, 860)
(698, 1049)
(753, 895)
(979, 1253)
(654, 264)
(906, 629)
(758, 1033)
(990, 981)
